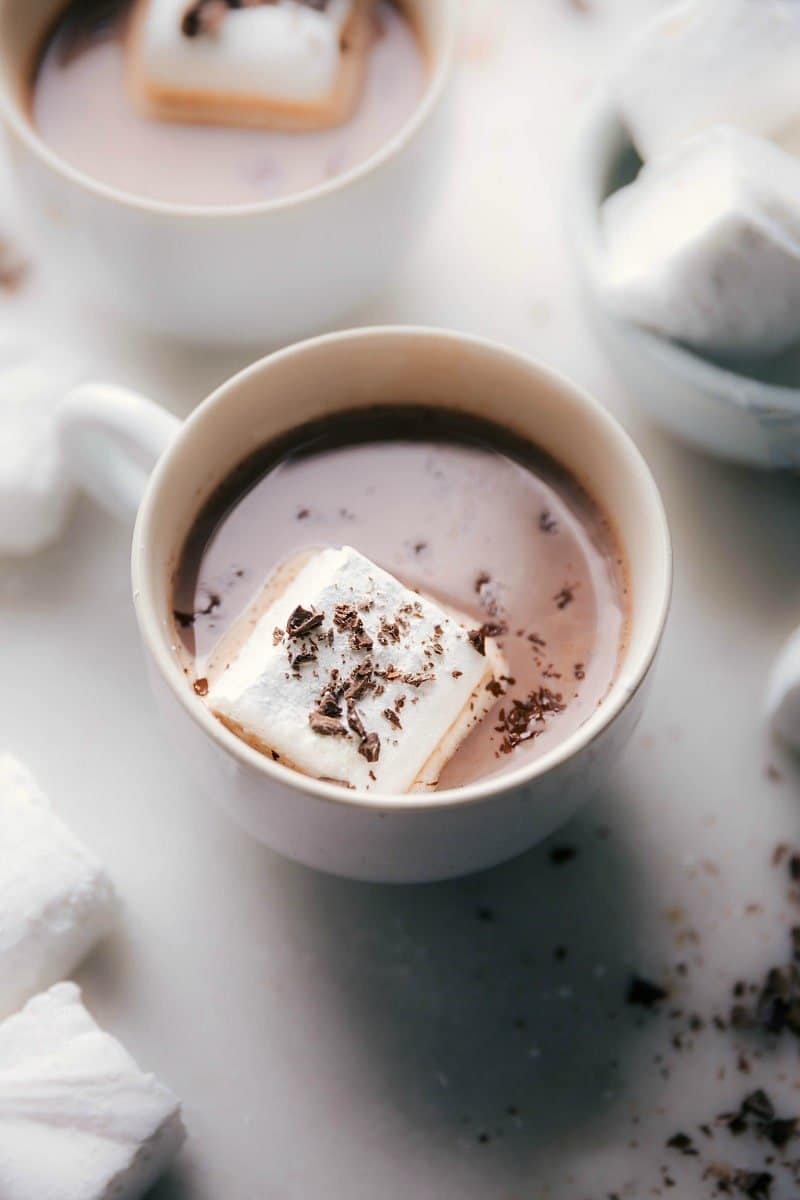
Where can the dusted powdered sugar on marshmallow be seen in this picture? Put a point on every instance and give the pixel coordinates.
(704, 246)
(287, 51)
(56, 901)
(702, 62)
(352, 677)
(78, 1119)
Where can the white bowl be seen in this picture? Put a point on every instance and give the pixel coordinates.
(228, 274)
(746, 420)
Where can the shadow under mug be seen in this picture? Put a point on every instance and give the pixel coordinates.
(263, 273)
(113, 438)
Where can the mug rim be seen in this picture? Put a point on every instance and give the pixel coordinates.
(618, 697)
(14, 115)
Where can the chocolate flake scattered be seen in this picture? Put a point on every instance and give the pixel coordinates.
(201, 687)
(579, 671)
(644, 994)
(370, 748)
(392, 717)
(326, 726)
(355, 722)
(345, 617)
(303, 621)
(360, 641)
(562, 854)
(525, 719)
(565, 597)
(303, 514)
(683, 1143)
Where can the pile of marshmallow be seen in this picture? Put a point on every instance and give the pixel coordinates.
(704, 246)
(78, 1119)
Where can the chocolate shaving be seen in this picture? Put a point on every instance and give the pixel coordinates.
(416, 679)
(565, 597)
(644, 994)
(303, 621)
(326, 726)
(525, 719)
(477, 639)
(370, 748)
(360, 640)
(392, 717)
(345, 616)
(201, 687)
(355, 722)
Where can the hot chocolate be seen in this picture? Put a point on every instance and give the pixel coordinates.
(474, 519)
(91, 107)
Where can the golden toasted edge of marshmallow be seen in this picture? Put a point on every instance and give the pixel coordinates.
(197, 107)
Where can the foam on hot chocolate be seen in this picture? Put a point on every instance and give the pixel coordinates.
(285, 64)
(345, 674)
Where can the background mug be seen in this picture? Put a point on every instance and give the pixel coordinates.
(113, 437)
(234, 274)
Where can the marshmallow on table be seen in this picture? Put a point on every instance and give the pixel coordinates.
(783, 693)
(288, 64)
(56, 901)
(35, 488)
(704, 246)
(349, 676)
(78, 1119)
(703, 62)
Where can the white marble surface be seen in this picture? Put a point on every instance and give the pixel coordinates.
(351, 1042)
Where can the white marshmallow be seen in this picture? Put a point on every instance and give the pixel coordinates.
(704, 62)
(56, 901)
(257, 692)
(35, 488)
(783, 693)
(78, 1119)
(263, 57)
(704, 246)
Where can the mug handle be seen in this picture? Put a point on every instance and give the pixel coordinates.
(111, 439)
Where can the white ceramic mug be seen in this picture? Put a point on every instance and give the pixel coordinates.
(111, 436)
(265, 273)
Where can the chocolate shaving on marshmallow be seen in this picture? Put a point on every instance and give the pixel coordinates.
(273, 64)
(371, 648)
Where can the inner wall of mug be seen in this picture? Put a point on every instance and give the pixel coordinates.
(24, 25)
(385, 367)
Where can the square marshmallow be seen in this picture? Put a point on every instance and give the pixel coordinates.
(56, 901)
(705, 62)
(78, 1119)
(350, 676)
(287, 64)
(704, 246)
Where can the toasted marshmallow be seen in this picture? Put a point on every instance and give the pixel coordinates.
(281, 65)
(704, 246)
(349, 676)
(78, 1119)
(783, 694)
(705, 62)
(56, 901)
(36, 491)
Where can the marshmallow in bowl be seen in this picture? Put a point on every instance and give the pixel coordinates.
(78, 1119)
(345, 674)
(704, 246)
(284, 64)
(783, 694)
(704, 62)
(56, 901)
(36, 491)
